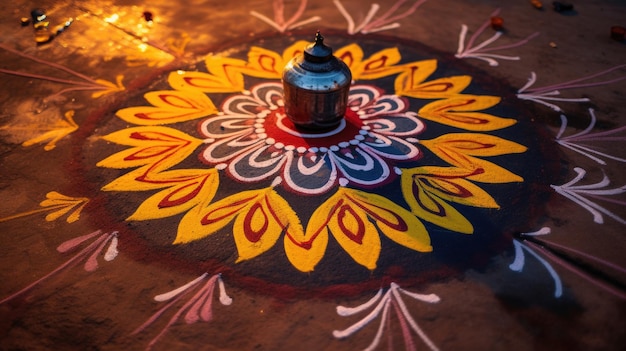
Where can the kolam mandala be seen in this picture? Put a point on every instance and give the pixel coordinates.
(435, 167)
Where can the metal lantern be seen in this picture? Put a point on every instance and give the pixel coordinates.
(316, 86)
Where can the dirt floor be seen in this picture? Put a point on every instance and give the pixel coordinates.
(156, 196)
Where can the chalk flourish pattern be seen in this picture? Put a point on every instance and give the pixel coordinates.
(248, 139)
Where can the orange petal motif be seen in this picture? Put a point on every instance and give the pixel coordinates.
(352, 56)
(349, 215)
(428, 190)
(109, 87)
(260, 217)
(449, 183)
(263, 63)
(305, 251)
(131, 181)
(458, 111)
(158, 147)
(413, 74)
(224, 76)
(459, 150)
(294, 50)
(436, 89)
(64, 204)
(58, 131)
(144, 178)
(169, 106)
(266, 62)
(380, 64)
(183, 193)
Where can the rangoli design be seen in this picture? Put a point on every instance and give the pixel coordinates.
(435, 171)
(249, 139)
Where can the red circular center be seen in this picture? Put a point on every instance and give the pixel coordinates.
(278, 127)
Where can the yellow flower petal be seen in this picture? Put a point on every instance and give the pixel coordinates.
(64, 204)
(203, 82)
(131, 181)
(350, 227)
(159, 147)
(201, 221)
(181, 195)
(380, 64)
(305, 251)
(352, 56)
(109, 87)
(449, 184)
(413, 74)
(143, 178)
(349, 215)
(392, 220)
(458, 112)
(260, 217)
(294, 50)
(459, 150)
(258, 229)
(266, 63)
(224, 76)
(58, 132)
(438, 88)
(355, 233)
(169, 106)
(431, 208)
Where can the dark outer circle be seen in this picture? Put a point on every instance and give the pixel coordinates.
(453, 253)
